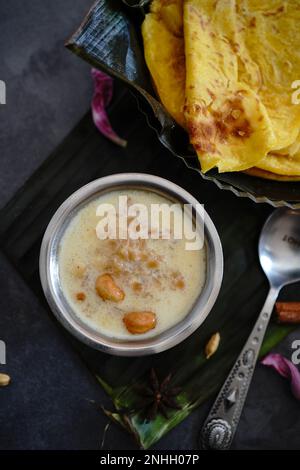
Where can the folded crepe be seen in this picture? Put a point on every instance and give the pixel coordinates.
(162, 33)
(234, 89)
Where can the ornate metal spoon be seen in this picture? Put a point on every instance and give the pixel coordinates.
(279, 254)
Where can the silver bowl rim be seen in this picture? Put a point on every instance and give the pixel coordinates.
(154, 344)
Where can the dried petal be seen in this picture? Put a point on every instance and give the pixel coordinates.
(154, 380)
(101, 99)
(163, 410)
(144, 391)
(152, 411)
(174, 391)
(166, 382)
(171, 403)
(286, 369)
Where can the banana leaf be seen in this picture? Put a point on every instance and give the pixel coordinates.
(200, 378)
(110, 39)
(84, 156)
(242, 294)
(243, 291)
(238, 221)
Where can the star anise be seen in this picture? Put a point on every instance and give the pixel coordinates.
(158, 397)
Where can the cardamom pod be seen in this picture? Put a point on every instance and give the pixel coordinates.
(4, 380)
(212, 345)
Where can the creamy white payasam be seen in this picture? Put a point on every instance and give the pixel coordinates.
(125, 288)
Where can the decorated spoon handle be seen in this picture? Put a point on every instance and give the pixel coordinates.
(223, 419)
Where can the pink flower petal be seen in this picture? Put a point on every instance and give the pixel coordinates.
(286, 369)
(102, 97)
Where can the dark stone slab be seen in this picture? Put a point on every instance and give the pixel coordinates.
(47, 406)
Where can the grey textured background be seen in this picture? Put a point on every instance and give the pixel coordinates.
(47, 406)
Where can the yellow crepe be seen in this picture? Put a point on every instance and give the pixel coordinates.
(283, 162)
(269, 53)
(276, 57)
(270, 176)
(242, 57)
(162, 33)
(228, 125)
(235, 56)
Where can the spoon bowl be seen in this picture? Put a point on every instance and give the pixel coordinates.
(279, 255)
(279, 247)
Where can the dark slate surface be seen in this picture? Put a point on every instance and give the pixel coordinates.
(48, 405)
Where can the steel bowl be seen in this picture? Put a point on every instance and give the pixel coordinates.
(50, 276)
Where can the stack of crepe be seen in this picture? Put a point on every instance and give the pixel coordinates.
(226, 70)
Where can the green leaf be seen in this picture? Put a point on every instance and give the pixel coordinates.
(241, 298)
(274, 335)
(200, 379)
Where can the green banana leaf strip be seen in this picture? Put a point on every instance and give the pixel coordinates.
(109, 38)
(206, 378)
(241, 298)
